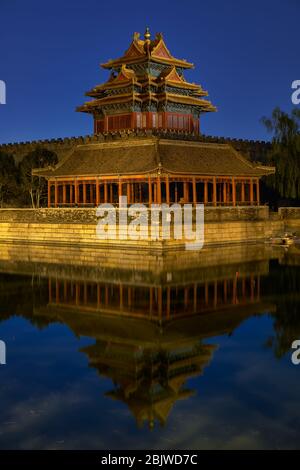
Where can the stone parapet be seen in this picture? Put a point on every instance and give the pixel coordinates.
(88, 215)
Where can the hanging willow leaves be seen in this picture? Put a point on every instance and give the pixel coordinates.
(285, 152)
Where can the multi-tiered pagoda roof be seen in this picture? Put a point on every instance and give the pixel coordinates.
(147, 89)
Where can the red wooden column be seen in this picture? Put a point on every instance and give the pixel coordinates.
(128, 194)
(49, 194)
(215, 191)
(224, 192)
(71, 193)
(105, 191)
(184, 191)
(129, 297)
(55, 194)
(233, 192)
(194, 192)
(215, 294)
(206, 293)
(195, 298)
(186, 297)
(84, 193)
(97, 192)
(252, 285)
(132, 192)
(150, 190)
(64, 193)
(257, 192)
(234, 291)
(151, 300)
(121, 297)
(205, 192)
(258, 288)
(106, 123)
(76, 192)
(167, 190)
(225, 290)
(251, 192)
(57, 292)
(243, 192)
(98, 295)
(65, 291)
(159, 301)
(119, 189)
(50, 290)
(77, 293)
(158, 190)
(168, 301)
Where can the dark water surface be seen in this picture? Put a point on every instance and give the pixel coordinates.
(110, 350)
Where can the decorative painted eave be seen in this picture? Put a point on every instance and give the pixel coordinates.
(89, 106)
(124, 78)
(172, 78)
(205, 105)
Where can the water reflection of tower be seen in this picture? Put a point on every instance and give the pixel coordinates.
(155, 302)
(149, 315)
(150, 380)
(149, 336)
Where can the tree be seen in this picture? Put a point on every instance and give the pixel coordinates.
(36, 186)
(8, 178)
(285, 152)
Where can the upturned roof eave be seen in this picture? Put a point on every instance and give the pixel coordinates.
(49, 174)
(145, 58)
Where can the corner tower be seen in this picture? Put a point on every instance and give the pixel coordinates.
(147, 90)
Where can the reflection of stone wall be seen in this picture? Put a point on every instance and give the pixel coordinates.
(133, 266)
(291, 217)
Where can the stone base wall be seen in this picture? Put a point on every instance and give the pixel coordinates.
(289, 213)
(85, 234)
(78, 227)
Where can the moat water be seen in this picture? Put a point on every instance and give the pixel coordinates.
(122, 350)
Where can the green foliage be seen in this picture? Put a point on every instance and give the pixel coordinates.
(35, 186)
(8, 178)
(285, 153)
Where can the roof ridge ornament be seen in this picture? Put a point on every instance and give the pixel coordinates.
(147, 35)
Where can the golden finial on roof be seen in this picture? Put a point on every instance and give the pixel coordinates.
(147, 35)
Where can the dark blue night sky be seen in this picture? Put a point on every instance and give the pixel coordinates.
(246, 55)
